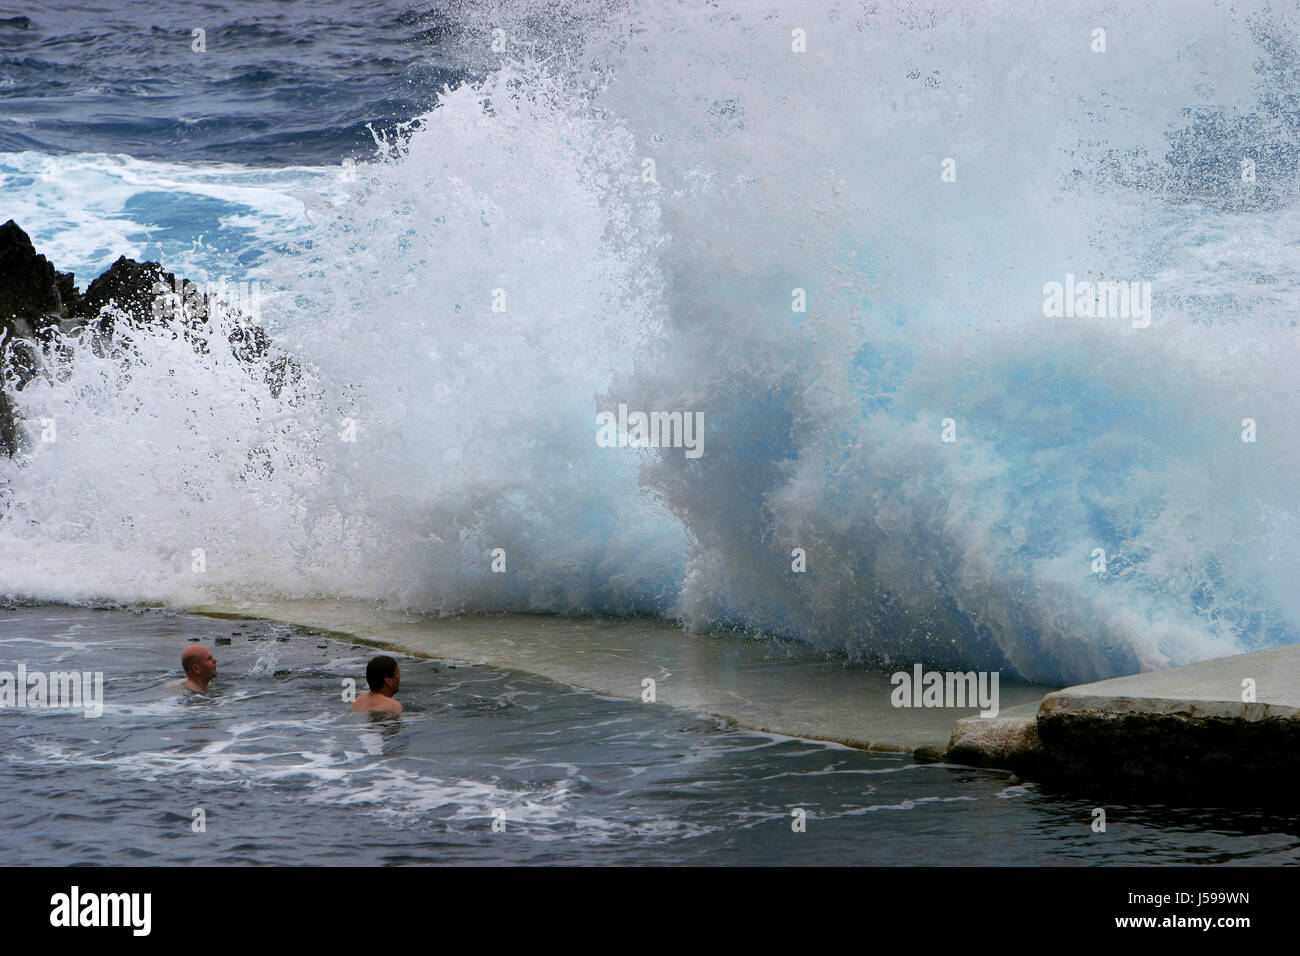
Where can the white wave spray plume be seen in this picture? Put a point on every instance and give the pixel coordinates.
(789, 151)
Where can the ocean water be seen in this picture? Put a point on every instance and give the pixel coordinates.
(283, 773)
(478, 225)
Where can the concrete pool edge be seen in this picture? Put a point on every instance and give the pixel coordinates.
(1171, 732)
(1227, 728)
(727, 678)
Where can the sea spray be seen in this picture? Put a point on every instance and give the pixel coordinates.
(834, 250)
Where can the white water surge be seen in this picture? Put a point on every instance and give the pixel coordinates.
(774, 170)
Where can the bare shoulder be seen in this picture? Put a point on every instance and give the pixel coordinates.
(370, 701)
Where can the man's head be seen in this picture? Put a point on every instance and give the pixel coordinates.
(198, 664)
(383, 675)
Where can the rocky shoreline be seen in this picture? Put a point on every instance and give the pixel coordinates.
(39, 304)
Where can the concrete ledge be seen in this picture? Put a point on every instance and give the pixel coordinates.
(1179, 733)
(1253, 761)
(1196, 691)
(781, 688)
(1008, 740)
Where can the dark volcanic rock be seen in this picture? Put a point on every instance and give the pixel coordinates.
(128, 286)
(8, 430)
(145, 293)
(36, 301)
(33, 294)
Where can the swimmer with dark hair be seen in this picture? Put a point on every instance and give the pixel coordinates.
(384, 677)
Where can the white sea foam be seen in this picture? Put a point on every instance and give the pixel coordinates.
(84, 210)
(774, 170)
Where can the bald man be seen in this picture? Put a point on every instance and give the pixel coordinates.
(199, 666)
